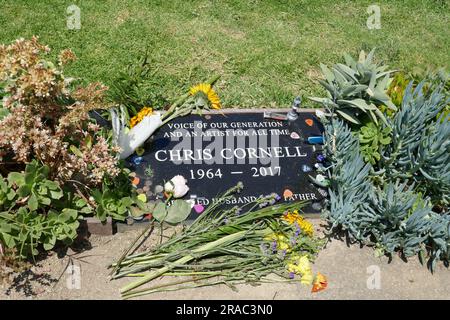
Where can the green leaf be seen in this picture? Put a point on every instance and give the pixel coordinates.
(178, 212)
(348, 117)
(353, 90)
(56, 194)
(101, 213)
(24, 190)
(33, 202)
(49, 243)
(88, 141)
(159, 213)
(136, 212)
(45, 200)
(385, 140)
(70, 214)
(359, 103)
(8, 240)
(76, 151)
(16, 178)
(327, 73)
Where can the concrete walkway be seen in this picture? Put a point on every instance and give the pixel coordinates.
(353, 273)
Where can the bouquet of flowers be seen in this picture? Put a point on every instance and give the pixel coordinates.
(146, 121)
(230, 246)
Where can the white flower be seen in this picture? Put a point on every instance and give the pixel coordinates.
(176, 186)
(129, 140)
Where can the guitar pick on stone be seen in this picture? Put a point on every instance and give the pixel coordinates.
(142, 197)
(315, 140)
(287, 194)
(309, 122)
(199, 208)
(140, 151)
(295, 135)
(137, 160)
(136, 181)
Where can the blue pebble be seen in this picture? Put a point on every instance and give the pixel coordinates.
(315, 140)
(137, 160)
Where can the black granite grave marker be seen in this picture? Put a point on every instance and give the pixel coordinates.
(216, 151)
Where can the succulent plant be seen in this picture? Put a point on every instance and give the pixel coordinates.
(356, 88)
(34, 186)
(372, 138)
(393, 215)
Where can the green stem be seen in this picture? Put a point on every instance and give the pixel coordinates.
(184, 97)
(227, 240)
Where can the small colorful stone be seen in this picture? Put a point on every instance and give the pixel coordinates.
(295, 136)
(137, 160)
(199, 208)
(315, 140)
(320, 158)
(136, 181)
(142, 197)
(140, 151)
(159, 188)
(287, 194)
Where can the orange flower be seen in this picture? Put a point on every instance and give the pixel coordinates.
(320, 283)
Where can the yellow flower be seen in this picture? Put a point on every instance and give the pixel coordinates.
(281, 240)
(145, 111)
(209, 92)
(299, 265)
(307, 278)
(307, 227)
(294, 217)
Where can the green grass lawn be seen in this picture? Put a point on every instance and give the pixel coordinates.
(266, 51)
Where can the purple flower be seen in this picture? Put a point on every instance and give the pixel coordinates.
(293, 241)
(291, 275)
(298, 231)
(274, 247)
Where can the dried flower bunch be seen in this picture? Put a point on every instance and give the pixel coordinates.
(47, 118)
